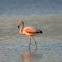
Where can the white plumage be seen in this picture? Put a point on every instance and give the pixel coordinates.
(29, 31)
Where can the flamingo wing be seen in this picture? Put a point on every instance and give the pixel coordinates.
(31, 30)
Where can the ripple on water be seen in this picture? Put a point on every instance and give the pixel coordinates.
(48, 50)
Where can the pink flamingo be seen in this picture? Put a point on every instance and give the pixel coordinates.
(29, 31)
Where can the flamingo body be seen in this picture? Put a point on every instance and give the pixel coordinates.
(29, 31)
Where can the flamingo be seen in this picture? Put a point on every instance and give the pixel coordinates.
(29, 31)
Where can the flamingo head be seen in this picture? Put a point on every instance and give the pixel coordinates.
(21, 22)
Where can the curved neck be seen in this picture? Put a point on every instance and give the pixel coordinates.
(21, 29)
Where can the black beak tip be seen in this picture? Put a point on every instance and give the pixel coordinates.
(18, 26)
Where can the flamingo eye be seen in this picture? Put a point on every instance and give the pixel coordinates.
(19, 22)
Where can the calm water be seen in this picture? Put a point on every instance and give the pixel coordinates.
(42, 14)
(17, 50)
(15, 47)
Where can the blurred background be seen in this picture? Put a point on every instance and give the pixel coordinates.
(43, 14)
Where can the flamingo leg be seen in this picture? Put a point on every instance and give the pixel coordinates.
(35, 42)
(29, 42)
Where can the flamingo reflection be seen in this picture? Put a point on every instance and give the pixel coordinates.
(30, 56)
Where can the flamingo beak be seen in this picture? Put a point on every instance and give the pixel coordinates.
(18, 26)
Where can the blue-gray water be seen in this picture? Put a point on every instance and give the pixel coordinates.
(15, 47)
(42, 14)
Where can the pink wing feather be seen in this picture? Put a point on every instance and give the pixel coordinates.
(31, 30)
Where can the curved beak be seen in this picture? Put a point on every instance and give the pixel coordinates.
(18, 26)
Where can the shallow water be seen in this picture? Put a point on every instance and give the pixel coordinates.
(44, 15)
(17, 50)
(15, 47)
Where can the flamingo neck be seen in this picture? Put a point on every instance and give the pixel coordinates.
(21, 29)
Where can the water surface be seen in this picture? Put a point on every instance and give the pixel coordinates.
(45, 15)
